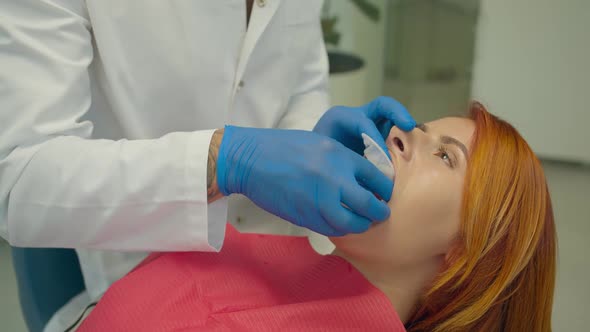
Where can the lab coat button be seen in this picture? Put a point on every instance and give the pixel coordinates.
(240, 85)
(261, 3)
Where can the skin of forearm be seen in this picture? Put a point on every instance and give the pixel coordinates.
(213, 192)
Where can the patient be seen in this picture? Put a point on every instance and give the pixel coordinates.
(470, 246)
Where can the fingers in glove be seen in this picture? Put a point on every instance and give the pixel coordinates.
(344, 220)
(391, 109)
(328, 205)
(364, 203)
(384, 126)
(368, 127)
(373, 179)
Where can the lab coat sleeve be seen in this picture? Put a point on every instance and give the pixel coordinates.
(58, 187)
(310, 99)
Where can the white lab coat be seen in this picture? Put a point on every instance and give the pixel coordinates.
(107, 109)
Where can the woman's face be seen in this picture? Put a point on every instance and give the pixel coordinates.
(430, 164)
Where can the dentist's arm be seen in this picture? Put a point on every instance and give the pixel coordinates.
(213, 192)
(61, 188)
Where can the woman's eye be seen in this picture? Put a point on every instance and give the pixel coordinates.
(444, 155)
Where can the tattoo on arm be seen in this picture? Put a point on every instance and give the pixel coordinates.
(213, 192)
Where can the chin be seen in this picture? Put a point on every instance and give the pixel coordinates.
(353, 243)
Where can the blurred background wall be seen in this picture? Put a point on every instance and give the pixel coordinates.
(532, 68)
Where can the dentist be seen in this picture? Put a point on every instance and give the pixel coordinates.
(107, 117)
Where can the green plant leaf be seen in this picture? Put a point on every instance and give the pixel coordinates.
(367, 8)
(332, 38)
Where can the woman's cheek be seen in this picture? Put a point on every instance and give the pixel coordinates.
(421, 200)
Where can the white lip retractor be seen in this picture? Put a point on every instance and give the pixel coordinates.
(375, 154)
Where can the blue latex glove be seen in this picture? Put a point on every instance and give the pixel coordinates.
(346, 124)
(303, 177)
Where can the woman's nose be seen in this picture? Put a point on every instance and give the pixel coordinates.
(402, 143)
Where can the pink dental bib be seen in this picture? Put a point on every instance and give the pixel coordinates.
(256, 283)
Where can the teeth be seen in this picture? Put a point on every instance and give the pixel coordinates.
(378, 157)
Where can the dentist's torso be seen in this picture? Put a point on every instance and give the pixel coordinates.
(191, 65)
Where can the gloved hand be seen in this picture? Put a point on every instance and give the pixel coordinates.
(346, 124)
(304, 178)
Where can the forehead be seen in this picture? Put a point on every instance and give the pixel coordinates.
(461, 129)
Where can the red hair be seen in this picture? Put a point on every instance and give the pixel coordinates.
(500, 274)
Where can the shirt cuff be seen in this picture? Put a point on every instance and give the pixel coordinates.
(215, 214)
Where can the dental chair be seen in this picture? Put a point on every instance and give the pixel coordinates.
(47, 279)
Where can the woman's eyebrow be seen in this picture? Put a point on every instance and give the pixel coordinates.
(447, 140)
(454, 141)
